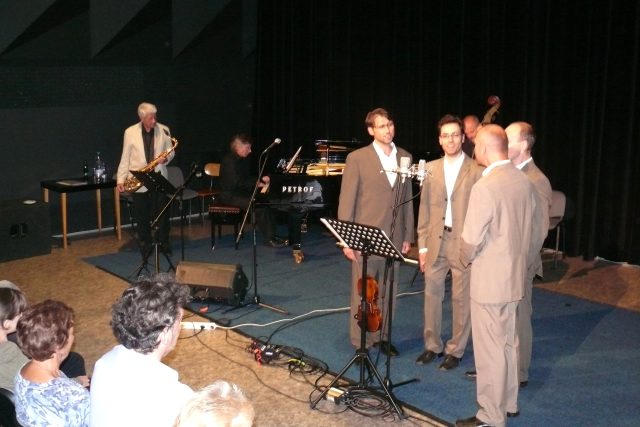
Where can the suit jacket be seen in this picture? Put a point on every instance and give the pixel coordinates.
(543, 189)
(366, 197)
(133, 156)
(433, 204)
(497, 237)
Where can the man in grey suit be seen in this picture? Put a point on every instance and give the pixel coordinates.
(521, 138)
(498, 238)
(443, 206)
(143, 142)
(369, 197)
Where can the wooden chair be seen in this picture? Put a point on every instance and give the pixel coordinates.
(220, 213)
(212, 170)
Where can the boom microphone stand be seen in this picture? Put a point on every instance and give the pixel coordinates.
(251, 208)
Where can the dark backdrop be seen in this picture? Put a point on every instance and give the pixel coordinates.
(568, 67)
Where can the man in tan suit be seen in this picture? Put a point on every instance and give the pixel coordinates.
(369, 197)
(497, 239)
(521, 138)
(443, 206)
(143, 142)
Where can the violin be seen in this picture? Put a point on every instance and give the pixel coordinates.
(374, 314)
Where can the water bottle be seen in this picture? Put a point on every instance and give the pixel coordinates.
(99, 170)
(85, 172)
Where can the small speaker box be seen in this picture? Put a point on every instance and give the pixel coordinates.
(225, 283)
(25, 229)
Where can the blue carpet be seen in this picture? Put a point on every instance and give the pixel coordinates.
(585, 368)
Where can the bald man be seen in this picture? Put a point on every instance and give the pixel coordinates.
(471, 125)
(497, 242)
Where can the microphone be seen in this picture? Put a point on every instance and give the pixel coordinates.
(405, 164)
(195, 169)
(273, 144)
(422, 171)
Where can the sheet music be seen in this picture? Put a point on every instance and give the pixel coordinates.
(293, 160)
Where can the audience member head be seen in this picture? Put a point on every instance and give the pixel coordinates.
(521, 137)
(146, 318)
(491, 145)
(241, 144)
(471, 124)
(46, 329)
(220, 404)
(12, 304)
(380, 125)
(450, 134)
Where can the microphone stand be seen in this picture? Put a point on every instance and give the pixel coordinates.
(251, 208)
(389, 275)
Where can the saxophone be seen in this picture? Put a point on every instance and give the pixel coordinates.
(132, 184)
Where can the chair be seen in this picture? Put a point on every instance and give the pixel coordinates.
(556, 215)
(7, 409)
(219, 214)
(176, 178)
(212, 170)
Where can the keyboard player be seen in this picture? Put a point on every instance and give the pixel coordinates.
(237, 184)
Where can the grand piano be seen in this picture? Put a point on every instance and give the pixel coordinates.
(311, 184)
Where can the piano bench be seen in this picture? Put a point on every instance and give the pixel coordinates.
(219, 214)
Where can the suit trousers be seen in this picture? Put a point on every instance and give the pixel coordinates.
(434, 279)
(524, 329)
(495, 346)
(375, 269)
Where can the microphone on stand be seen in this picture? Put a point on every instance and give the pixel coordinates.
(405, 164)
(273, 144)
(422, 171)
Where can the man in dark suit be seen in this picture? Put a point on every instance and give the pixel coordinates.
(521, 138)
(369, 197)
(237, 183)
(443, 206)
(498, 238)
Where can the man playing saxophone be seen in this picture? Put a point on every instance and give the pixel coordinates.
(143, 142)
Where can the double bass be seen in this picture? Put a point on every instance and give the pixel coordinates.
(490, 115)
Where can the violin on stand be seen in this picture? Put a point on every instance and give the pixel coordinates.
(374, 314)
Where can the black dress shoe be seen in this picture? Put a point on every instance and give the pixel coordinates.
(471, 422)
(427, 357)
(513, 414)
(450, 362)
(471, 374)
(387, 348)
(275, 243)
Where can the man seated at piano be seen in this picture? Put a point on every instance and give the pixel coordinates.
(237, 183)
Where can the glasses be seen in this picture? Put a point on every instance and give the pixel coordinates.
(388, 125)
(454, 135)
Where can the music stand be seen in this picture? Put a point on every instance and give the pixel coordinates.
(369, 241)
(154, 181)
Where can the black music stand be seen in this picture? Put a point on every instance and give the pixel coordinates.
(369, 241)
(154, 181)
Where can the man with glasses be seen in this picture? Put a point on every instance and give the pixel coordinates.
(368, 197)
(443, 207)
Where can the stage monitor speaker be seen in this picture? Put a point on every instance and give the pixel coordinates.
(25, 229)
(224, 283)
